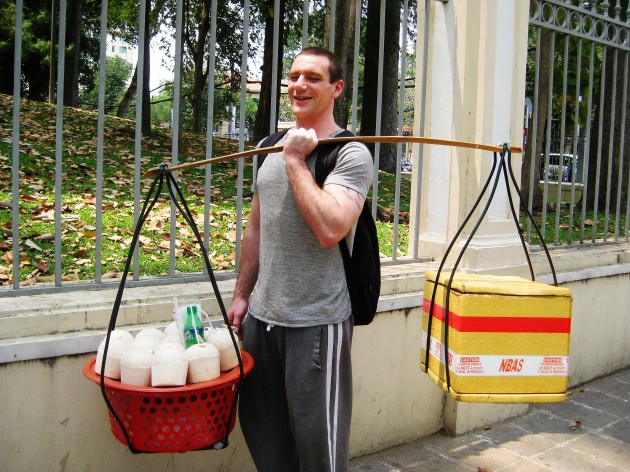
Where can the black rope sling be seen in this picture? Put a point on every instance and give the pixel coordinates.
(164, 176)
(504, 166)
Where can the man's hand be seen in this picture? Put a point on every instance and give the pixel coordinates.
(236, 313)
(299, 143)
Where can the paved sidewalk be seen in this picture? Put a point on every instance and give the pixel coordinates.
(590, 431)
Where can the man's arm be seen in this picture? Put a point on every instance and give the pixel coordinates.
(330, 211)
(248, 267)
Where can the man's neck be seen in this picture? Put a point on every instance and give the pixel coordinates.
(322, 128)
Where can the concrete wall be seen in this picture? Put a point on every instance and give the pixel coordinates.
(54, 419)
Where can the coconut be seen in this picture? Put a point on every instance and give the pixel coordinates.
(135, 367)
(203, 363)
(222, 340)
(171, 328)
(148, 338)
(169, 366)
(172, 338)
(119, 342)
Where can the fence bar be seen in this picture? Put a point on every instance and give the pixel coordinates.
(138, 129)
(332, 23)
(305, 25)
(401, 116)
(562, 137)
(548, 139)
(273, 119)
(241, 134)
(599, 143)
(622, 138)
(587, 148)
(177, 86)
(15, 150)
(100, 133)
(59, 139)
(625, 85)
(355, 82)
(611, 142)
(574, 152)
(379, 106)
(207, 194)
(534, 174)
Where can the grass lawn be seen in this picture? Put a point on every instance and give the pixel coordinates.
(78, 189)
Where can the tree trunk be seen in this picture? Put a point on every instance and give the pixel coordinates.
(344, 48)
(389, 125)
(125, 101)
(535, 143)
(130, 93)
(73, 53)
(263, 114)
(198, 55)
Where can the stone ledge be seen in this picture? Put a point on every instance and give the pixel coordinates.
(43, 326)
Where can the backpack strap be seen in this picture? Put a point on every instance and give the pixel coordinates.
(327, 158)
(268, 142)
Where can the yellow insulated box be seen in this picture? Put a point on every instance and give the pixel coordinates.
(507, 338)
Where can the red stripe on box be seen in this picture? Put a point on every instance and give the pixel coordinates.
(499, 324)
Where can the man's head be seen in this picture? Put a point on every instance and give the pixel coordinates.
(334, 63)
(314, 84)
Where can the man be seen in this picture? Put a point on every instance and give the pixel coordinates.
(296, 403)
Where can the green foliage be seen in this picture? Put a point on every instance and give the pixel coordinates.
(117, 73)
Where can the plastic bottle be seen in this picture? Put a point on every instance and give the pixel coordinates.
(193, 327)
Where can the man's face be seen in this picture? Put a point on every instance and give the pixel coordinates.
(310, 91)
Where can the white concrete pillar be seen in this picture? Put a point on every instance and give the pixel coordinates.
(476, 58)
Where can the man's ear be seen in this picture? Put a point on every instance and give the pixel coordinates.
(338, 88)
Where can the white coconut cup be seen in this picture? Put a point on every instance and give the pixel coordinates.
(119, 342)
(169, 367)
(171, 328)
(172, 338)
(148, 338)
(203, 363)
(135, 367)
(221, 339)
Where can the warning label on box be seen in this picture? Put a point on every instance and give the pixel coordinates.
(498, 365)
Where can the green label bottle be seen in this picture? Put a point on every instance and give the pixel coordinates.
(193, 327)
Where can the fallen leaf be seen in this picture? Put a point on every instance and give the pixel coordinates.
(487, 427)
(576, 425)
(32, 245)
(484, 469)
(80, 252)
(110, 274)
(43, 267)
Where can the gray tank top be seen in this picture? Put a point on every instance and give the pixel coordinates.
(300, 283)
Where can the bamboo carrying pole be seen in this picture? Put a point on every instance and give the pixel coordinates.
(362, 139)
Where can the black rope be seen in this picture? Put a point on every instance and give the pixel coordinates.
(150, 201)
(186, 213)
(505, 167)
(448, 250)
(146, 208)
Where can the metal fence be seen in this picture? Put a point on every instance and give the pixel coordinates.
(578, 79)
(23, 272)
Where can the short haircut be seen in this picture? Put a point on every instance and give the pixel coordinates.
(334, 63)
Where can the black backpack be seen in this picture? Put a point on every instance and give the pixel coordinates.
(363, 268)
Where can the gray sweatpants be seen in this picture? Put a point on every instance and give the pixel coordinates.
(296, 403)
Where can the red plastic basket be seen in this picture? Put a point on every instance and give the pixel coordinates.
(172, 419)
